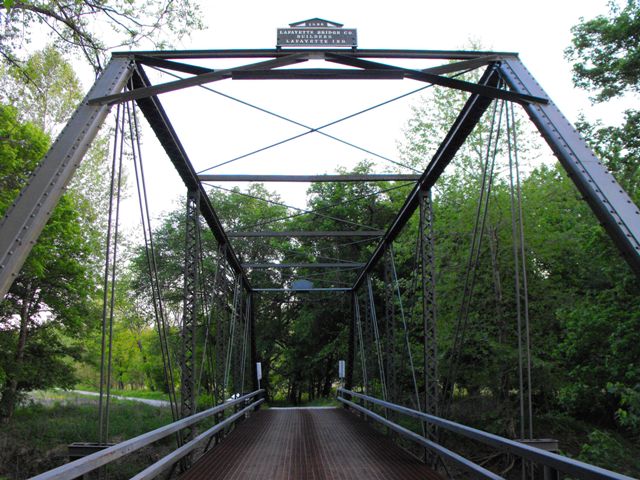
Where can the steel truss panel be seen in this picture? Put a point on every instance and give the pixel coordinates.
(611, 204)
(201, 79)
(190, 311)
(28, 215)
(295, 234)
(302, 265)
(465, 122)
(426, 76)
(430, 345)
(375, 177)
(160, 124)
(319, 289)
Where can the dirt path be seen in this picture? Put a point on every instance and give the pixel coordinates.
(148, 401)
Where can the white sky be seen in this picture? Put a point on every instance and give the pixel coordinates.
(214, 129)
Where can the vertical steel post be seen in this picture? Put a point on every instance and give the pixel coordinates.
(390, 329)
(351, 351)
(190, 311)
(25, 219)
(427, 270)
(254, 348)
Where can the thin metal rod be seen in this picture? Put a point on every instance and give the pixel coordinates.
(156, 292)
(516, 280)
(322, 127)
(363, 361)
(302, 210)
(374, 323)
(105, 287)
(525, 283)
(294, 122)
(404, 326)
(113, 281)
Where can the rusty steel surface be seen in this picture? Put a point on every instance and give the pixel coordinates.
(301, 444)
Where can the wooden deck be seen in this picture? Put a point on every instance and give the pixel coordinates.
(301, 444)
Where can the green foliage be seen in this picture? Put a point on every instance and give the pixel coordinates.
(606, 52)
(49, 305)
(606, 56)
(607, 451)
(92, 28)
(45, 89)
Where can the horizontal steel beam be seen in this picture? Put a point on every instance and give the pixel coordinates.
(336, 233)
(301, 265)
(553, 460)
(463, 125)
(87, 464)
(319, 52)
(318, 74)
(319, 289)
(375, 177)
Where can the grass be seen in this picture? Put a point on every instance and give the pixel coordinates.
(37, 436)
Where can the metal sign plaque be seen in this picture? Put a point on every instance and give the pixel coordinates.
(317, 32)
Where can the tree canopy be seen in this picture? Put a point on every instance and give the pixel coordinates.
(91, 28)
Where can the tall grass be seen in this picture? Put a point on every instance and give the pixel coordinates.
(37, 436)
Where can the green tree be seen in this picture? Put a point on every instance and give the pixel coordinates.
(50, 302)
(605, 52)
(45, 89)
(92, 28)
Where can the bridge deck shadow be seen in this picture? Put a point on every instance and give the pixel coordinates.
(300, 444)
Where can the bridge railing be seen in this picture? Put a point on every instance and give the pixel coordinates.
(552, 462)
(96, 460)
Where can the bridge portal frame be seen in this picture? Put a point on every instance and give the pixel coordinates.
(25, 220)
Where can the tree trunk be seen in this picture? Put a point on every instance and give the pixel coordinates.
(10, 392)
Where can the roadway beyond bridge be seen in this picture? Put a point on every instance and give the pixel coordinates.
(307, 443)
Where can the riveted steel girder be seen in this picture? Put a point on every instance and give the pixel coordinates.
(28, 215)
(611, 204)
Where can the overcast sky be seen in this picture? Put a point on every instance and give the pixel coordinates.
(215, 129)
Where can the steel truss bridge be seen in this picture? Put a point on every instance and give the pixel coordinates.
(299, 443)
